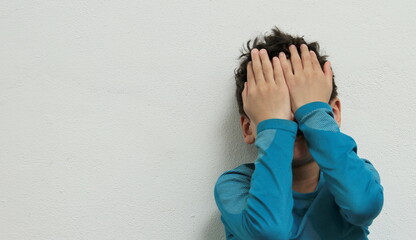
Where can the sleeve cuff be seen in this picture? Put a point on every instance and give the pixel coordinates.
(309, 107)
(277, 123)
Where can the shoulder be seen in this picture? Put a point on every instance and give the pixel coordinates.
(232, 188)
(235, 180)
(239, 173)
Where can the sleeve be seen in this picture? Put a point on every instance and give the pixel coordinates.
(259, 206)
(353, 181)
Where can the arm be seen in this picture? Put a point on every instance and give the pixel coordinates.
(261, 207)
(353, 181)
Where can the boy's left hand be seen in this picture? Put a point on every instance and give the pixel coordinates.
(304, 77)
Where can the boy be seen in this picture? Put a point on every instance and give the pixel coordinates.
(306, 183)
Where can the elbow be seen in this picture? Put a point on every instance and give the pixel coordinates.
(363, 212)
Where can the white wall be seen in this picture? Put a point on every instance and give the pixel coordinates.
(117, 117)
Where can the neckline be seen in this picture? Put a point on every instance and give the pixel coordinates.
(310, 194)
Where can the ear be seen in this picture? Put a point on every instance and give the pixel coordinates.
(248, 129)
(336, 108)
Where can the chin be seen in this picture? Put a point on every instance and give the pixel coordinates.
(302, 159)
(301, 154)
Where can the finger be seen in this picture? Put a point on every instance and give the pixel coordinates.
(257, 69)
(244, 92)
(328, 71)
(278, 71)
(250, 76)
(306, 57)
(290, 66)
(315, 63)
(295, 59)
(286, 66)
(266, 65)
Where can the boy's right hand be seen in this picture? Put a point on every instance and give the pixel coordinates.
(266, 96)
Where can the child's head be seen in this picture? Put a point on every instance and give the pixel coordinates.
(276, 42)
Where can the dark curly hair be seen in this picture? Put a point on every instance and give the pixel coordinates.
(273, 43)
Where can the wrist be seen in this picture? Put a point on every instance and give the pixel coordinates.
(277, 123)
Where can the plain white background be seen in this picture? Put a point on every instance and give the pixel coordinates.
(117, 117)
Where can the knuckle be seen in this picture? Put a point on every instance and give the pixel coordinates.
(275, 88)
(315, 74)
(285, 67)
(261, 88)
(257, 70)
(302, 76)
(267, 71)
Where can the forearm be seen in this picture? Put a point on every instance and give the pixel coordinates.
(353, 182)
(271, 184)
(265, 208)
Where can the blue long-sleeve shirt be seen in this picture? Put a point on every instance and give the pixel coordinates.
(257, 202)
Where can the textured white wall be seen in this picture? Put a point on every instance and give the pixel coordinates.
(117, 117)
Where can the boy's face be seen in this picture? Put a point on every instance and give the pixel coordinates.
(301, 154)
